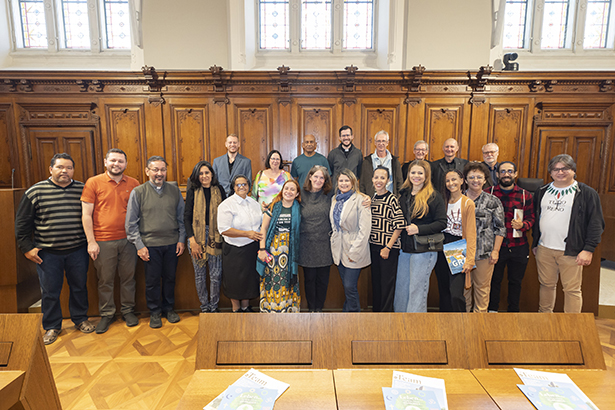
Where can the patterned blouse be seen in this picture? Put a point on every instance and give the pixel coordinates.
(265, 189)
(386, 217)
(489, 223)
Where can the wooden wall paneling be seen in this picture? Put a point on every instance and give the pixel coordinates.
(415, 128)
(387, 115)
(351, 116)
(479, 130)
(218, 127)
(9, 158)
(444, 119)
(507, 127)
(285, 134)
(319, 117)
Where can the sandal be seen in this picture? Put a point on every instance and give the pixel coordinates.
(85, 326)
(51, 335)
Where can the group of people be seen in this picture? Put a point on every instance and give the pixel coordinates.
(247, 237)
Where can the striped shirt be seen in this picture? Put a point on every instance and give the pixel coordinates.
(53, 215)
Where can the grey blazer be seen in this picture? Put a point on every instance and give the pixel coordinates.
(242, 166)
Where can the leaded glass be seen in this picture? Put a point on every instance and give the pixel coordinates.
(315, 24)
(555, 24)
(76, 24)
(117, 24)
(597, 24)
(33, 27)
(358, 24)
(515, 20)
(274, 24)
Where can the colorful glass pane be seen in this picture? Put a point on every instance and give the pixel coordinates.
(33, 27)
(515, 19)
(76, 24)
(597, 24)
(274, 24)
(315, 24)
(117, 24)
(358, 24)
(555, 24)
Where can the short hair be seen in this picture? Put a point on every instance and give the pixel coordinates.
(345, 127)
(274, 151)
(476, 166)
(353, 179)
(327, 187)
(235, 178)
(564, 159)
(116, 151)
(421, 142)
(155, 158)
(490, 143)
(507, 162)
(62, 155)
(445, 192)
(193, 179)
(309, 135)
(381, 132)
(383, 168)
(450, 139)
(231, 135)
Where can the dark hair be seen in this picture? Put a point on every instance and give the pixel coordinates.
(445, 192)
(274, 151)
(154, 158)
(345, 127)
(564, 159)
(384, 169)
(193, 179)
(235, 178)
(117, 151)
(477, 166)
(62, 155)
(507, 162)
(328, 185)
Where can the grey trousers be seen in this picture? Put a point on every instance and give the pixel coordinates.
(120, 256)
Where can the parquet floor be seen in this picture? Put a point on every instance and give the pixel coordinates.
(142, 368)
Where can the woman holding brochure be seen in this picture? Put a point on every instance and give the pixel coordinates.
(460, 224)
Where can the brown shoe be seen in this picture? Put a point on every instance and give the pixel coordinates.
(51, 336)
(85, 326)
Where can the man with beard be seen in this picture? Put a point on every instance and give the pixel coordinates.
(346, 155)
(515, 251)
(104, 201)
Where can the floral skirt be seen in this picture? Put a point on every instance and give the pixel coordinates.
(278, 292)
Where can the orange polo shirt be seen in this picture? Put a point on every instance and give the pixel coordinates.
(110, 200)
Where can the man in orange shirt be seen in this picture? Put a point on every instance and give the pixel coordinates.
(104, 201)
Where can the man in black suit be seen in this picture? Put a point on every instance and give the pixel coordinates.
(440, 167)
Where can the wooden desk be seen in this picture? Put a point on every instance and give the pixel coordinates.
(361, 389)
(501, 384)
(10, 388)
(309, 389)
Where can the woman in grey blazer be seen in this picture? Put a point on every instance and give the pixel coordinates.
(351, 224)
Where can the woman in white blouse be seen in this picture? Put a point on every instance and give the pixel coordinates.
(239, 221)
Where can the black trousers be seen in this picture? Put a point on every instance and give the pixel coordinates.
(384, 275)
(160, 278)
(516, 258)
(316, 282)
(450, 286)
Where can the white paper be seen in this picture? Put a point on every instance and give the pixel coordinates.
(537, 378)
(518, 214)
(403, 380)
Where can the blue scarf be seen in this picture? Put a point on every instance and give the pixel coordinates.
(340, 199)
(293, 246)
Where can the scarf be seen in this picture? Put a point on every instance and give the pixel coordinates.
(211, 245)
(340, 199)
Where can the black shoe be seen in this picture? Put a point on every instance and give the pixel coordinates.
(104, 323)
(215, 310)
(248, 309)
(131, 319)
(155, 321)
(172, 317)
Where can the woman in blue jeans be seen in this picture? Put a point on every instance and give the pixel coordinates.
(351, 223)
(425, 214)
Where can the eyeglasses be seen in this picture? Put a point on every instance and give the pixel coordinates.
(241, 185)
(420, 150)
(157, 170)
(476, 178)
(507, 171)
(564, 169)
(490, 152)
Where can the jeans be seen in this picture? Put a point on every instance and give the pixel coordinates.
(350, 280)
(316, 282)
(121, 256)
(161, 267)
(51, 277)
(412, 285)
(516, 258)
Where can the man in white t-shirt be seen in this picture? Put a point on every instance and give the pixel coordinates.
(569, 226)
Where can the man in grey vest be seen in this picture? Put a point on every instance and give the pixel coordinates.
(155, 225)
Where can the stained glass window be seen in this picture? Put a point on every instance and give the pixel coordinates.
(117, 24)
(274, 24)
(33, 27)
(515, 20)
(315, 24)
(597, 24)
(76, 24)
(358, 24)
(555, 24)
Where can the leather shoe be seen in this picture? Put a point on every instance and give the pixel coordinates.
(104, 323)
(248, 309)
(155, 321)
(85, 326)
(131, 319)
(51, 336)
(172, 317)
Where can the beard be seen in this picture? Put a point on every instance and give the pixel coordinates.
(507, 182)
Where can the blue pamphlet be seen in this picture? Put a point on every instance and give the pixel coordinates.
(409, 399)
(455, 253)
(553, 398)
(248, 398)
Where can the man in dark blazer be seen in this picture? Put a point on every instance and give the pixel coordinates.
(232, 163)
(490, 158)
(440, 167)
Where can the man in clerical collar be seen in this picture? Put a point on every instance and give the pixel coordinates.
(346, 155)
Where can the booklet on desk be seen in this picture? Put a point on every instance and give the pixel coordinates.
(248, 398)
(252, 379)
(403, 380)
(538, 378)
(553, 398)
(409, 399)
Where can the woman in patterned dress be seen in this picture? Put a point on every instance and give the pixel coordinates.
(279, 251)
(269, 181)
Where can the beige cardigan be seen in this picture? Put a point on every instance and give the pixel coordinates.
(351, 241)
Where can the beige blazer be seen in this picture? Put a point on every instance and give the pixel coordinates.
(351, 241)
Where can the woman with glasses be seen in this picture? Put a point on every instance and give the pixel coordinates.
(490, 232)
(269, 181)
(239, 221)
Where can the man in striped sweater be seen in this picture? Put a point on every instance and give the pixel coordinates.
(49, 232)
